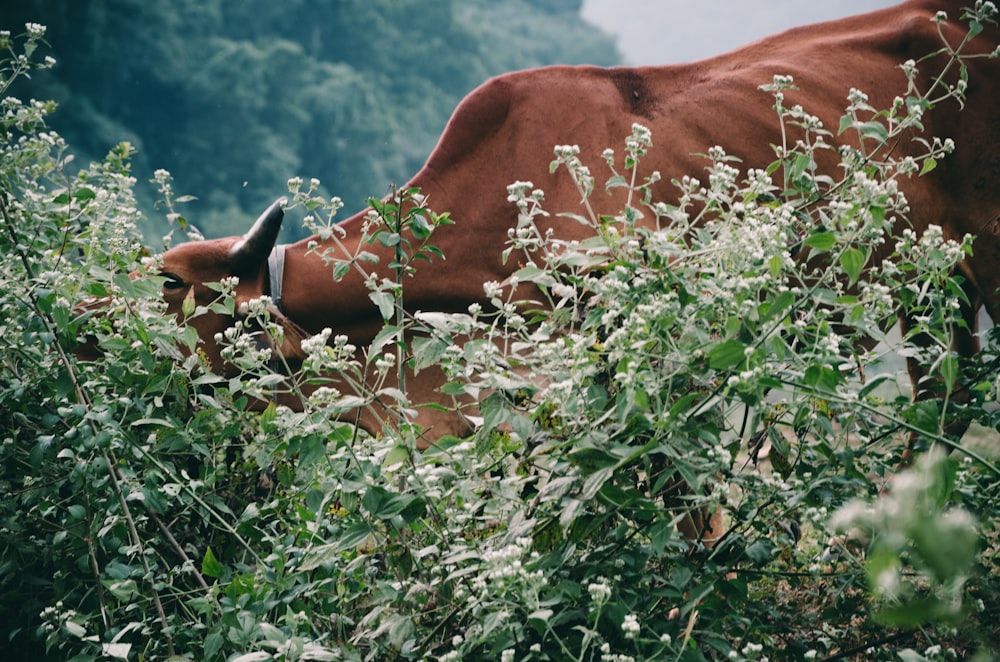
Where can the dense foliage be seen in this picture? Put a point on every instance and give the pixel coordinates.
(149, 513)
(236, 97)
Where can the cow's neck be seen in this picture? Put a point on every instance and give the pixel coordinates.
(314, 300)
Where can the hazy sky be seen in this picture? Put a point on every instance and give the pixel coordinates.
(673, 31)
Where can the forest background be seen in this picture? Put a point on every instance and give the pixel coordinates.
(234, 98)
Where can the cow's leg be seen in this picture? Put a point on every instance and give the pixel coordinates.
(702, 525)
(697, 525)
(437, 415)
(965, 344)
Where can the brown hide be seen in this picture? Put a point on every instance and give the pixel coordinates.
(505, 130)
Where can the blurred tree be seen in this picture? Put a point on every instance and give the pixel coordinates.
(235, 98)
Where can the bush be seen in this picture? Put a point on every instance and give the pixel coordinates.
(152, 514)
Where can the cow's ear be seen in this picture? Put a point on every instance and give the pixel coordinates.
(250, 252)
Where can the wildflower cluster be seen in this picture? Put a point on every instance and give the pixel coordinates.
(908, 523)
(243, 349)
(707, 349)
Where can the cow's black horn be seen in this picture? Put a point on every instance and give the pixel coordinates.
(250, 252)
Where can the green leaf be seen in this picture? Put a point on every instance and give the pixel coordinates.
(321, 555)
(929, 165)
(213, 644)
(188, 305)
(340, 269)
(775, 264)
(420, 227)
(123, 589)
(660, 535)
(75, 629)
(874, 130)
(683, 403)
(383, 504)
(925, 415)
(821, 241)
(799, 165)
(428, 350)
(640, 398)
(210, 566)
(726, 355)
(542, 615)
(782, 303)
(779, 443)
(387, 336)
(250, 513)
(616, 182)
(315, 500)
(256, 656)
(594, 482)
(386, 303)
(910, 614)
(949, 371)
(853, 261)
(761, 552)
(845, 123)
(534, 275)
(84, 194)
(389, 239)
(354, 536)
(822, 378)
(591, 459)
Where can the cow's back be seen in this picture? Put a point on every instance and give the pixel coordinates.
(506, 129)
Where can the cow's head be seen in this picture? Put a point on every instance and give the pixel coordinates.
(188, 269)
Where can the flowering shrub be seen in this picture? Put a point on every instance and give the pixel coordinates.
(680, 364)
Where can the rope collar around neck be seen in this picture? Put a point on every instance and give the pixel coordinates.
(276, 273)
(276, 277)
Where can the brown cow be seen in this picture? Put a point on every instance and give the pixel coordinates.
(505, 130)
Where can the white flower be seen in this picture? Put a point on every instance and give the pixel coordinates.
(515, 321)
(385, 362)
(35, 30)
(317, 343)
(908, 166)
(256, 307)
(492, 289)
(599, 592)
(567, 151)
(630, 626)
(856, 97)
(563, 291)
